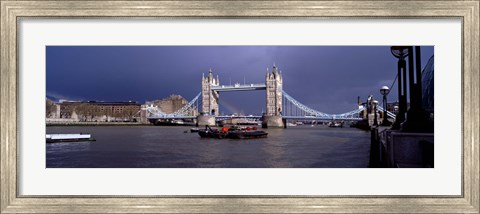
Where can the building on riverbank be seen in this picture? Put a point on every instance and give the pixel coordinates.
(94, 111)
(170, 104)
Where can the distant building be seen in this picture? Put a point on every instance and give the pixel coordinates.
(170, 104)
(99, 110)
(393, 107)
(428, 86)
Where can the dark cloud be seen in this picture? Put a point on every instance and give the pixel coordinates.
(326, 78)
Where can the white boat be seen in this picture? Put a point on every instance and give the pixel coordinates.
(53, 138)
(336, 124)
(179, 122)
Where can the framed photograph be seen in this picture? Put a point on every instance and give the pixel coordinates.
(244, 106)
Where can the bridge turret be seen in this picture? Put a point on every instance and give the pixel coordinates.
(210, 97)
(273, 83)
(273, 114)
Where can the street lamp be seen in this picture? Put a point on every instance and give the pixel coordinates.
(384, 91)
(417, 118)
(400, 52)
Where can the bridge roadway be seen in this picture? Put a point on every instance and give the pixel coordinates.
(321, 118)
(193, 117)
(240, 87)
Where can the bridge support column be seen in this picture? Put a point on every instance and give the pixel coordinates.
(205, 120)
(143, 116)
(273, 122)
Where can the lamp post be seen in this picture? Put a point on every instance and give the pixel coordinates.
(384, 91)
(417, 118)
(401, 52)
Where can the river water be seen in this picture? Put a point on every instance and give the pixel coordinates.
(169, 147)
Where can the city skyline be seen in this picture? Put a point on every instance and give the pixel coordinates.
(326, 78)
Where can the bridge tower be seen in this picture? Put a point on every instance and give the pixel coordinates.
(273, 114)
(209, 100)
(210, 97)
(273, 83)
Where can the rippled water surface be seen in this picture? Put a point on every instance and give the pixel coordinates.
(170, 147)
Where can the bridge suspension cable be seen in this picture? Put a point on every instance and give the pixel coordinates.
(291, 108)
(295, 108)
(306, 110)
(188, 109)
(390, 114)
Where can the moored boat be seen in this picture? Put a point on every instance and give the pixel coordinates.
(211, 133)
(232, 133)
(55, 138)
(336, 125)
(246, 134)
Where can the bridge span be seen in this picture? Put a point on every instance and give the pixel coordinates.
(280, 106)
(239, 87)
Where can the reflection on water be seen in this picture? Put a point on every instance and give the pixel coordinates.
(170, 147)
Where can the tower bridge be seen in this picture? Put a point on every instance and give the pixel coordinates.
(280, 106)
(211, 89)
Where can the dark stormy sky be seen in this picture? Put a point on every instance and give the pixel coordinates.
(326, 78)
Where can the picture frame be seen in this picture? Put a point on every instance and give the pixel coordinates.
(12, 11)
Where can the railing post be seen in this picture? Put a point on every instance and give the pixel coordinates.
(374, 148)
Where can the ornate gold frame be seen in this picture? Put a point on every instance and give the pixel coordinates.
(468, 11)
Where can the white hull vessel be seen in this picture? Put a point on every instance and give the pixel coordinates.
(53, 138)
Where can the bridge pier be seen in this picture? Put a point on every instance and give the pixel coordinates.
(206, 120)
(143, 116)
(273, 121)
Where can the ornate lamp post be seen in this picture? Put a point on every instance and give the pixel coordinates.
(384, 91)
(401, 52)
(417, 119)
